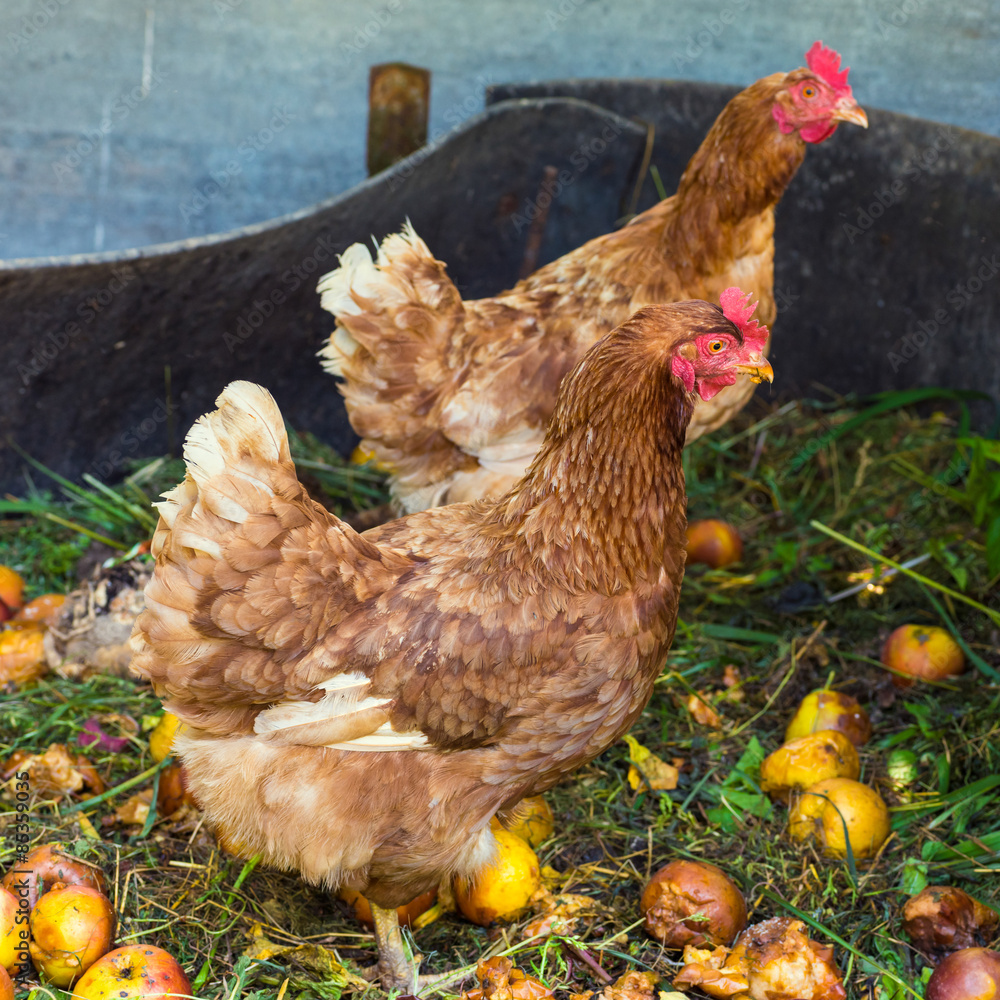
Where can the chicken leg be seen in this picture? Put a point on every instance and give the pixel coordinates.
(396, 969)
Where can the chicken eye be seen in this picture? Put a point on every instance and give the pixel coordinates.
(716, 346)
(809, 91)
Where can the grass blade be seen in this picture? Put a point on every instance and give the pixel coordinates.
(994, 616)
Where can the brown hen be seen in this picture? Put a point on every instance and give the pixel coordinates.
(360, 706)
(454, 397)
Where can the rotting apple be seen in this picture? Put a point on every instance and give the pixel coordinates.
(173, 791)
(714, 543)
(161, 739)
(943, 918)
(6, 986)
(72, 926)
(22, 654)
(692, 902)
(46, 609)
(837, 811)
(802, 762)
(13, 932)
(11, 592)
(532, 820)
(133, 971)
(826, 709)
(781, 960)
(969, 974)
(503, 889)
(921, 653)
(47, 865)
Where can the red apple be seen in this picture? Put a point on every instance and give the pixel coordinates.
(11, 591)
(47, 865)
(921, 653)
(137, 970)
(969, 974)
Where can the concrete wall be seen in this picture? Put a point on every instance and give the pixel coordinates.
(125, 123)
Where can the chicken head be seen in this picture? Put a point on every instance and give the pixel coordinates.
(709, 361)
(817, 98)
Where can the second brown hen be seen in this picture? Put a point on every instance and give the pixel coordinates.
(454, 396)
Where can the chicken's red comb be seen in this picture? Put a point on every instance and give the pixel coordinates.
(825, 63)
(737, 308)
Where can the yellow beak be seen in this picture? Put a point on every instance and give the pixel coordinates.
(759, 371)
(847, 110)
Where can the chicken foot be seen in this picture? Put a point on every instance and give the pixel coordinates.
(396, 970)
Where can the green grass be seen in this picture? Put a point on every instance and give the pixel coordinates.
(894, 483)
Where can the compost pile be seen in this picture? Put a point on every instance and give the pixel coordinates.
(827, 497)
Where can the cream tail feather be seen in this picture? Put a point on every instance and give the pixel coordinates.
(362, 277)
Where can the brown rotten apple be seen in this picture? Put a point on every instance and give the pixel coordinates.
(943, 919)
(693, 902)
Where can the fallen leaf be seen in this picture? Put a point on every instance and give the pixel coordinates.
(499, 980)
(94, 733)
(313, 957)
(561, 916)
(632, 986)
(135, 810)
(657, 773)
(702, 712)
(54, 772)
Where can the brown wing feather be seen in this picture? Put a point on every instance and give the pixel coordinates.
(251, 574)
